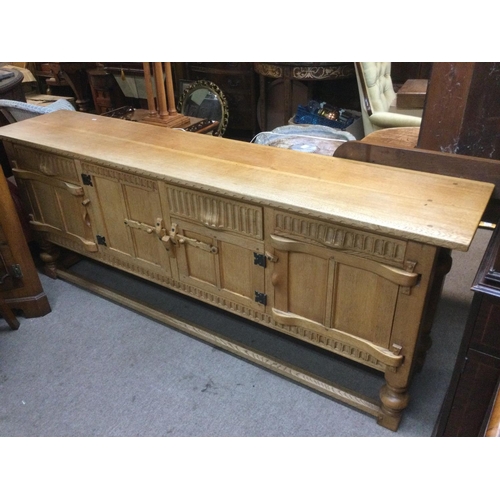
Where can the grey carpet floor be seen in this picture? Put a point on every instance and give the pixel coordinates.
(94, 368)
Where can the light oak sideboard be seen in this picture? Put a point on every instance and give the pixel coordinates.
(345, 255)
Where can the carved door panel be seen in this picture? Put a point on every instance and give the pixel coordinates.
(220, 262)
(326, 290)
(128, 220)
(57, 207)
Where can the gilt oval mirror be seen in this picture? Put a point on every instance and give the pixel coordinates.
(204, 99)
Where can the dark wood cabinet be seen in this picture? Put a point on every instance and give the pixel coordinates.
(474, 382)
(20, 286)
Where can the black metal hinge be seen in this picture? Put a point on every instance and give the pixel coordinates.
(87, 180)
(101, 240)
(261, 298)
(17, 271)
(259, 259)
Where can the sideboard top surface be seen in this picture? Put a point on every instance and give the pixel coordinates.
(429, 208)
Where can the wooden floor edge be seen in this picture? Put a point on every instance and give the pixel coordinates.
(275, 365)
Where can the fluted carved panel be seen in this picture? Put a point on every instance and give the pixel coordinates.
(215, 212)
(341, 238)
(48, 164)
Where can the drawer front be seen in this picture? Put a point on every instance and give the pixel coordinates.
(377, 247)
(216, 212)
(48, 164)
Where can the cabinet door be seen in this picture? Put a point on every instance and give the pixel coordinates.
(221, 263)
(128, 220)
(330, 291)
(57, 207)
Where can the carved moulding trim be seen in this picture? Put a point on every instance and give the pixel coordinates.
(125, 177)
(270, 70)
(138, 270)
(56, 236)
(340, 342)
(320, 71)
(323, 72)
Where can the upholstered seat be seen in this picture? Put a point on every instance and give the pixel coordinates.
(379, 100)
(15, 111)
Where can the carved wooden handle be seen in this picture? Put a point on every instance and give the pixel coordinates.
(395, 275)
(199, 244)
(74, 190)
(275, 279)
(86, 217)
(45, 169)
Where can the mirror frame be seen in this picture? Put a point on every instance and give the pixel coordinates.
(212, 87)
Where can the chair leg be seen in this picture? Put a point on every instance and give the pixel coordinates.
(8, 315)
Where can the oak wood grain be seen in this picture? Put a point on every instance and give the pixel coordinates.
(429, 208)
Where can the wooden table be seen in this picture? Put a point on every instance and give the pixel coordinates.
(345, 255)
(412, 94)
(397, 137)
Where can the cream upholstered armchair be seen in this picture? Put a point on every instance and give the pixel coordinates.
(379, 100)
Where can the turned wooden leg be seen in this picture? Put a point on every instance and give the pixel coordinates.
(394, 400)
(49, 255)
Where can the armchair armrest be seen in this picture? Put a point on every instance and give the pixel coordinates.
(384, 119)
